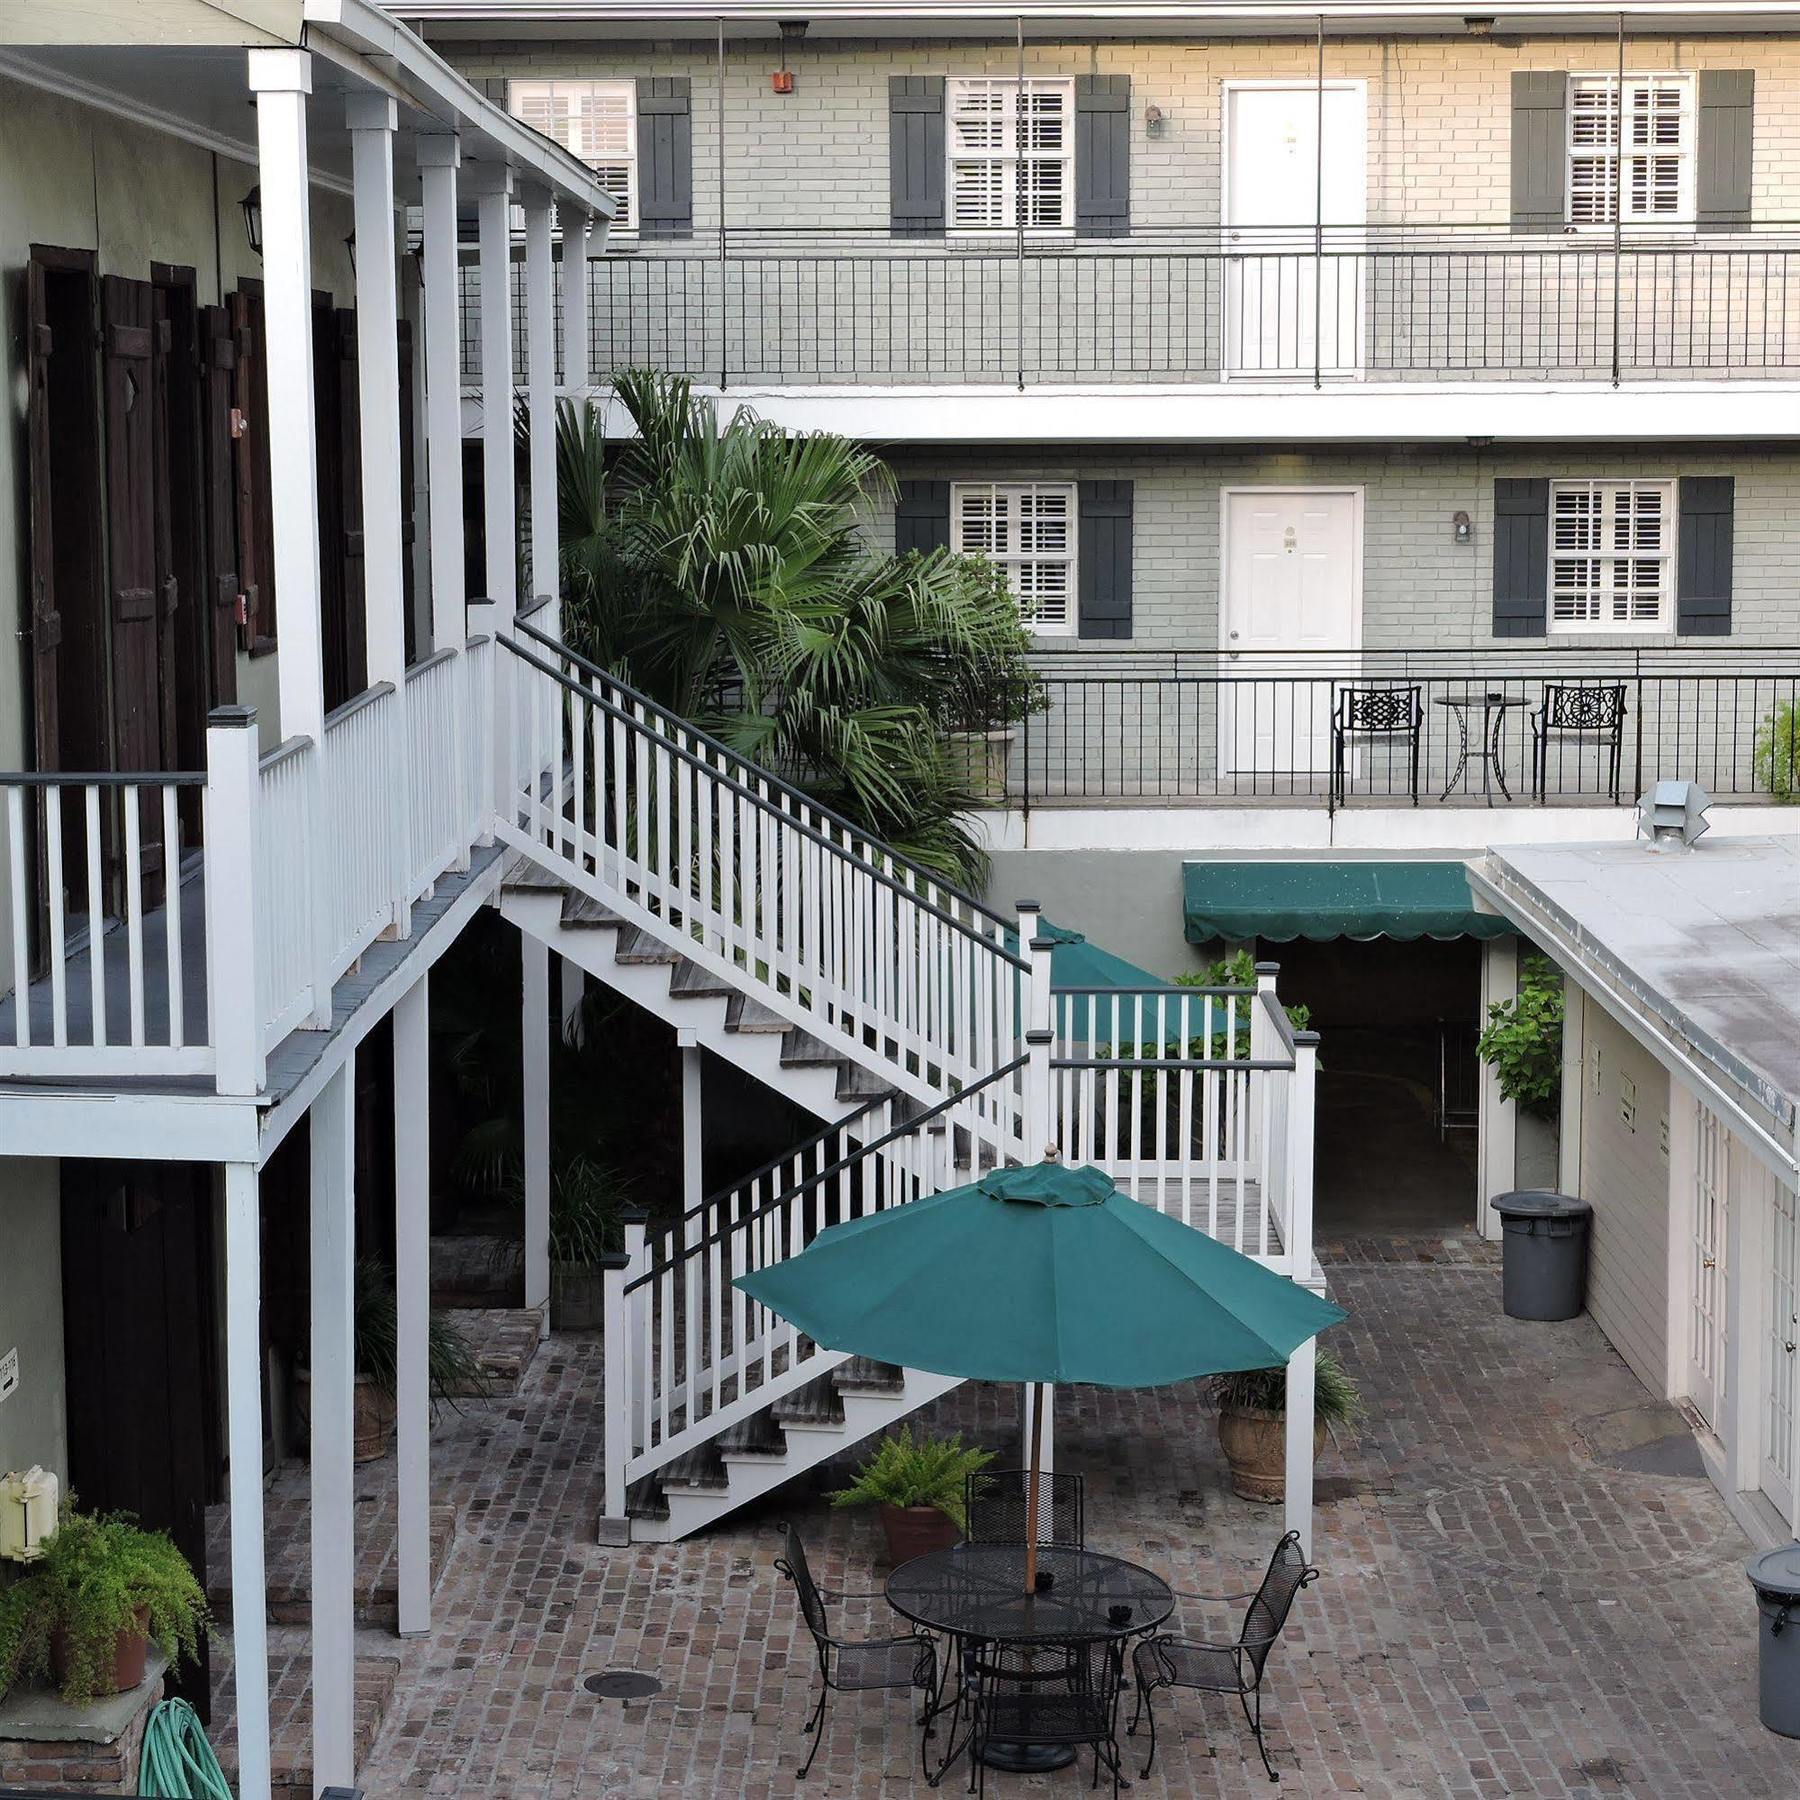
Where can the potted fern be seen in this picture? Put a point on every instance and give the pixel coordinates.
(1252, 1407)
(917, 1488)
(101, 1594)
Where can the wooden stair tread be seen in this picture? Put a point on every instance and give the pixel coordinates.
(817, 1403)
(698, 983)
(638, 946)
(758, 1435)
(528, 876)
(696, 1468)
(583, 912)
(745, 1014)
(864, 1375)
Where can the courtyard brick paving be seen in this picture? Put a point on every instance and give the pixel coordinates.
(1500, 1612)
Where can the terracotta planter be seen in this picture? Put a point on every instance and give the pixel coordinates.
(372, 1417)
(980, 759)
(130, 1648)
(916, 1531)
(1255, 1445)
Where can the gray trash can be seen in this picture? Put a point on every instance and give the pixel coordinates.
(1775, 1575)
(1545, 1253)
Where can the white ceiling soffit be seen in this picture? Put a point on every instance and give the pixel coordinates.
(74, 22)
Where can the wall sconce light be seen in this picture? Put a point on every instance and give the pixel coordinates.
(1460, 528)
(252, 205)
(350, 247)
(793, 31)
(1481, 25)
(1154, 121)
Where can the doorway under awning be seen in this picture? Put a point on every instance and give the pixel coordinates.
(1281, 901)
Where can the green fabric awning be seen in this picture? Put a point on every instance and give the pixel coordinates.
(1282, 901)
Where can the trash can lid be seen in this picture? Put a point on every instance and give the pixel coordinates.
(1540, 1203)
(1776, 1571)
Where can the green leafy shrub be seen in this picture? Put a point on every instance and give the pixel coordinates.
(1337, 1403)
(96, 1576)
(452, 1366)
(930, 1472)
(1523, 1039)
(1777, 756)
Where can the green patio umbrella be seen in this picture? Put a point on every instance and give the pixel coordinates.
(1040, 1274)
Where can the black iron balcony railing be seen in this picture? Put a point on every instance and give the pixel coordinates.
(1378, 303)
(1582, 726)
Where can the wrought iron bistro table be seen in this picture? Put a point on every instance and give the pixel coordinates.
(1489, 748)
(975, 1593)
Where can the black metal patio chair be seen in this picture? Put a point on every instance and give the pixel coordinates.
(905, 1661)
(1584, 712)
(996, 1507)
(1171, 1660)
(1046, 1695)
(1374, 712)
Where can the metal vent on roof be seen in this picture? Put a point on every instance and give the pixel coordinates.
(1672, 814)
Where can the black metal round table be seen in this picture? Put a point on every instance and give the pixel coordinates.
(1489, 747)
(976, 1593)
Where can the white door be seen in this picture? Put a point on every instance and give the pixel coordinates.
(1288, 308)
(1290, 622)
(1707, 1344)
(1782, 1346)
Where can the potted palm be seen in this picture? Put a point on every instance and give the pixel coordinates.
(917, 1488)
(991, 689)
(1252, 1407)
(91, 1606)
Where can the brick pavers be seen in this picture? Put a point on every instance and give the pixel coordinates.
(1499, 1614)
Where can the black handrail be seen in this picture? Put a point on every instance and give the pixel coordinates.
(53, 778)
(761, 801)
(787, 1198)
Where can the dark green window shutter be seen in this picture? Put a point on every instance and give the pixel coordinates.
(1521, 557)
(1703, 556)
(1103, 559)
(1540, 148)
(1722, 154)
(916, 155)
(922, 516)
(665, 157)
(1102, 155)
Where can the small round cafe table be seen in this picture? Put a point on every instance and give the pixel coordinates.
(976, 1594)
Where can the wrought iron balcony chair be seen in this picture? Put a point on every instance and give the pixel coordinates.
(1588, 712)
(1375, 712)
(1011, 1702)
(997, 1510)
(907, 1661)
(1171, 1660)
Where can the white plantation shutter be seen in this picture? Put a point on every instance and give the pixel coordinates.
(1656, 183)
(594, 120)
(1612, 555)
(1010, 147)
(1028, 528)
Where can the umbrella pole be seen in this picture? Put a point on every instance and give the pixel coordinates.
(1036, 1392)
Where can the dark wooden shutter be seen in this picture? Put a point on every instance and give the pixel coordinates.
(665, 157)
(1521, 557)
(1703, 556)
(1723, 149)
(1103, 559)
(1102, 155)
(218, 374)
(46, 619)
(164, 406)
(1540, 149)
(354, 602)
(256, 537)
(408, 469)
(916, 155)
(922, 516)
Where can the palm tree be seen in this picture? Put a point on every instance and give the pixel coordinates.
(728, 574)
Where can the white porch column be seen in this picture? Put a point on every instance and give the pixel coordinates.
(281, 81)
(244, 1446)
(540, 383)
(412, 1297)
(536, 1026)
(437, 157)
(333, 1122)
(1301, 1374)
(1497, 1118)
(577, 244)
(491, 183)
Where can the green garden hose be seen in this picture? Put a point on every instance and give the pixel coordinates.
(178, 1763)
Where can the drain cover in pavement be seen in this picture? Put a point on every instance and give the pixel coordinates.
(622, 1684)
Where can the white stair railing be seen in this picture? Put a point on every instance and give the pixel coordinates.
(749, 877)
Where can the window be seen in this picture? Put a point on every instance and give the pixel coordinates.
(1612, 555)
(594, 120)
(1656, 183)
(1028, 528)
(1011, 154)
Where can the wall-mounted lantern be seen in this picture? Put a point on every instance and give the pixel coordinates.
(1155, 120)
(252, 205)
(1461, 531)
(793, 31)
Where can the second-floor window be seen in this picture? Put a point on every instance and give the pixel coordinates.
(594, 120)
(1612, 555)
(1028, 528)
(1011, 149)
(1651, 179)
